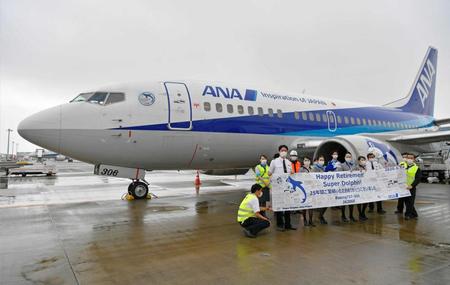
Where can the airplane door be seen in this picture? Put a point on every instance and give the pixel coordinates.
(180, 108)
(332, 124)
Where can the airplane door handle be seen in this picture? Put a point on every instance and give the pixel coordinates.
(117, 120)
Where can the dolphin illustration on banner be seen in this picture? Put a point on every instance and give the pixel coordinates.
(297, 184)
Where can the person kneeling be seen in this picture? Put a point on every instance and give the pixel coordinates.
(249, 215)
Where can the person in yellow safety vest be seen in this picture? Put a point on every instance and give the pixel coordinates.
(263, 179)
(413, 176)
(401, 201)
(249, 216)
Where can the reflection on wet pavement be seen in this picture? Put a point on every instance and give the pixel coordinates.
(78, 231)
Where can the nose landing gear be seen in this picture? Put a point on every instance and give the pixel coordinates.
(138, 189)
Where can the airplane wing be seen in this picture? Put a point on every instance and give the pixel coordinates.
(441, 122)
(422, 138)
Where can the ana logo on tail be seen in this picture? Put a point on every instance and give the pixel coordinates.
(425, 81)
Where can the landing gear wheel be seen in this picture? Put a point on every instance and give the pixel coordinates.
(139, 190)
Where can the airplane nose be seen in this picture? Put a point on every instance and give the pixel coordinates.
(43, 128)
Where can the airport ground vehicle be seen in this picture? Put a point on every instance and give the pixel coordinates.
(38, 168)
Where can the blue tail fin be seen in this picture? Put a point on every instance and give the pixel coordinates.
(421, 97)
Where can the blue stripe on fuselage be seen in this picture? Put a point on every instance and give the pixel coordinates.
(290, 126)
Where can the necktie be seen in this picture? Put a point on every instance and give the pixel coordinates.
(372, 165)
(284, 166)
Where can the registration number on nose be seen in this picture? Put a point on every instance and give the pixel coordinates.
(118, 171)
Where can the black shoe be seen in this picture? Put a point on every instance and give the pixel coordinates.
(305, 223)
(280, 229)
(353, 220)
(381, 212)
(363, 218)
(291, 228)
(323, 221)
(248, 234)
(398, 212)
(344, 220)
(311, 224)
(370, 211)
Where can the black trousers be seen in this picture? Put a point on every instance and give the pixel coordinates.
(362, 209)
(350, 211)
(410, 209)
(379, 206)
(283, 219)
(401, 203)
(254, 225)
(322, 212)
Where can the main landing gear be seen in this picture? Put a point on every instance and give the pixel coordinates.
(138, 189)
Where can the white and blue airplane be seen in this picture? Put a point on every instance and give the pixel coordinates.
(127, 129)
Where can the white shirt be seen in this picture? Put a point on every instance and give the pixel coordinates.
(254, 204)
(375, 163)
(276, 166)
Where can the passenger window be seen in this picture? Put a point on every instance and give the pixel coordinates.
(379, 123)
(358, 121)
(219, 107)
(324, 117)
(318, 117)
(240, 109)
(207, 106)
(352, 120)
(250, 110)
(384, 123)
(260, 111)
(229, 108)
(369, 121)
(98, 98)
(339, 119)
(296, 115)
(304, 116)
(331, 119)
(346, 120)
(311, 116)
(270, 112)
(279, 114)
(115, 98)
(364, 122)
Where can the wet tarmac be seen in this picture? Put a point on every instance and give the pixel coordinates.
(75, 229)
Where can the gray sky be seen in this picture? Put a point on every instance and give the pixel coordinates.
(367, 51)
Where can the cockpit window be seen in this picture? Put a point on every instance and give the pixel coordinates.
(114, 98)
(82, 97)
(98, 98)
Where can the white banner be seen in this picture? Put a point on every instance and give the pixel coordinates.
(328, 189)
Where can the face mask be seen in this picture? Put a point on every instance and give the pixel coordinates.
(263, 162)
(307, 163)
(260, 194)
(348, 159)
(293, 158)
(362, 163)
(334, 156)
(321, 162)
(409, 161)
(283, 154)
(372, 159)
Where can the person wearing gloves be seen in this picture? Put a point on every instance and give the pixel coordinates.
(333, 164)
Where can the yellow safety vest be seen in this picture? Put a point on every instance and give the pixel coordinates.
(411, 174)
(264, 175)
(245, 211)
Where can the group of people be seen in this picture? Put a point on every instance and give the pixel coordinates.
(252, 210)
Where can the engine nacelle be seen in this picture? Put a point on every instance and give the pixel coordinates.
(359, 146)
